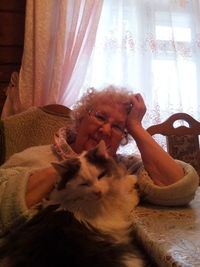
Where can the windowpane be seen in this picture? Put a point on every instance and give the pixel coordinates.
(175, 83)
(177, 34)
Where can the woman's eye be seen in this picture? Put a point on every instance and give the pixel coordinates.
(100, 117)
(84, 184)
(117, 127)
(101, 175)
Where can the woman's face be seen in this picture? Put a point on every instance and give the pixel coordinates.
(105, 122)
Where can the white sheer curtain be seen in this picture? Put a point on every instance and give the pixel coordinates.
(59, 37)
(153, 47)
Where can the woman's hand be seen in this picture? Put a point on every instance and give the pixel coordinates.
(40, 184)
(136, 114)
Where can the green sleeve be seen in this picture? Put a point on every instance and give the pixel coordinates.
(179, 193)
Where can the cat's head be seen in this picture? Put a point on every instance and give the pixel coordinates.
(86, 177)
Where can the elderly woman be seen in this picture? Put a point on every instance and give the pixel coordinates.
(110, 115)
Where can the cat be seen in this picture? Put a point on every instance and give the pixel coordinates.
(86, 220)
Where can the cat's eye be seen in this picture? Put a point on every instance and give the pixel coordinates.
(136, 186)
(101, 175)
(117, 127)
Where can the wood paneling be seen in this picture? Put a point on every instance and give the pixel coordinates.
(10, 54)
(13, 5)
(6, 70)
(11, 28)
(2, 95)
(12, 21)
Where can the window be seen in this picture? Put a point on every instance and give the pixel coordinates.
(152, 47)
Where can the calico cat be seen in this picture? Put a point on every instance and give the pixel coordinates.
(86, 221)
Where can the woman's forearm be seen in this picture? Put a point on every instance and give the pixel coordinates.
(40, 184)
(161, 167)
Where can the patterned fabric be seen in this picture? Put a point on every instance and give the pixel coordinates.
(185, 148)
(170, 234)
(61, 137)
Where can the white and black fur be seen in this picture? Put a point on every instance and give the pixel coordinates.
(86, 221)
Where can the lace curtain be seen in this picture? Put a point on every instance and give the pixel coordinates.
(152, 47)
(59, 37)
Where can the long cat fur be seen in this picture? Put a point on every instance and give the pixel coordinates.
(86, 221)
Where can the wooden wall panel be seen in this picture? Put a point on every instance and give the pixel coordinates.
(12, 21)
(11, 28)
(13, 5)
(10, 54)
(2, 95)
(6, 70)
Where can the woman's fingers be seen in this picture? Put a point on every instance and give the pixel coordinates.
(136, 112)
(138, 100)
(138, 104)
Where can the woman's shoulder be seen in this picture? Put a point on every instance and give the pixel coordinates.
(44, 149)
(31, 155)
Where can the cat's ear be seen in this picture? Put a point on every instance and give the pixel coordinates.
(101, 149)
(98, 156)
(67, 170)
(60, 167)
(97, 153)
(70, 166)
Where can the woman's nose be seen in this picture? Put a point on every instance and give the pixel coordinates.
(106, 129)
